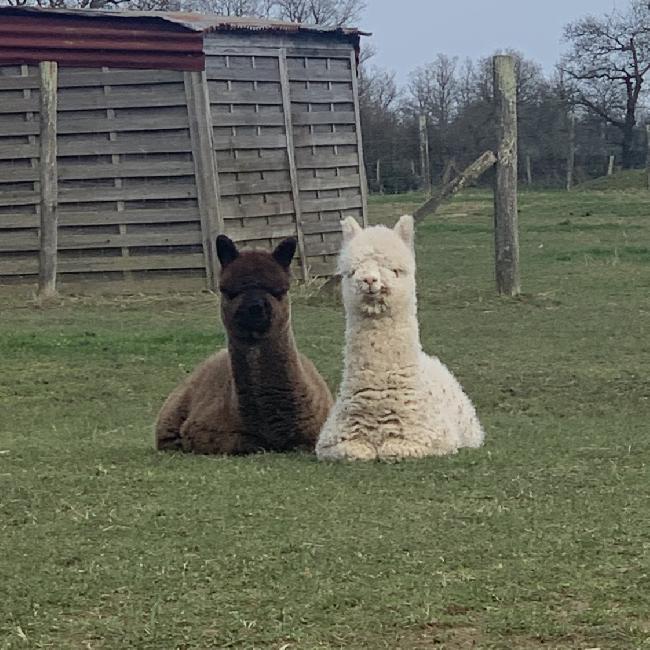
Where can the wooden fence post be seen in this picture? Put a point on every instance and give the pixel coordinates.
(610, 165)
(571, 149)
(49, 180)
(425, 164)
(205, 170)
(529, 172)
(506, 235)
(291, 155)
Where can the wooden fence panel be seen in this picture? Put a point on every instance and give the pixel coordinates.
(286, 160)
(326, 135)
(250, 141)
(127, 191)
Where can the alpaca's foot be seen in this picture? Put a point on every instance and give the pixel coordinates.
(394, 448)
(353, 449)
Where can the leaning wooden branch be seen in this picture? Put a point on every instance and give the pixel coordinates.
(478, 167)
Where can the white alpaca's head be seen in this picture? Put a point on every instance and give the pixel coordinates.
(377, 266)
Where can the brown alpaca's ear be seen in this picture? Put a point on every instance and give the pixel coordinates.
(226, 250)
(284, 252)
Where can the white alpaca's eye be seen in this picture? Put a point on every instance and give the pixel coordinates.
(397, 272)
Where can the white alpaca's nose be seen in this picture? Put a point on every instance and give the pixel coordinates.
(372, 282)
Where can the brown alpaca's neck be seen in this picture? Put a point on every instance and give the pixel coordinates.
(266, 375)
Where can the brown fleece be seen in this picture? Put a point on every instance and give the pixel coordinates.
(259, 394)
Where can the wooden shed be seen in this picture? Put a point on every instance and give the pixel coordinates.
(171, 128)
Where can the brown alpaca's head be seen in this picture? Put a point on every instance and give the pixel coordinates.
(254, 286)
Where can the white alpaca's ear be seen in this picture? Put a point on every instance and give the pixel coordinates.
(405, 228)
(350, 227)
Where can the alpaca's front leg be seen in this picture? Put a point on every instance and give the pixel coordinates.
(393, 448)
(355, 449)
(332, 445)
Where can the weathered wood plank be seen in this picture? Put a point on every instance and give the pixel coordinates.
(116, 77)
(256, 233)
(301, 118)
(234, 44)
(268, 209)
(252, 165)
(324, 139)
(115, 99)
(219, 73)
(47, 244)
(273, 141)
(237, 96)
(363, 181)
(9, 266)
(18, 151)
(205, 165)
(247, 118)
(104, 218)
(30, 81)
(293, 171)
(338, 182)
(320, 74)
(254, 187)
(324, 205)
(327, 247)
(119, 170)
(29, 241)
(135, 143)
(307, 160)
(322, 95)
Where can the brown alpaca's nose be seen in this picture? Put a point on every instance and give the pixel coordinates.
(256, 309)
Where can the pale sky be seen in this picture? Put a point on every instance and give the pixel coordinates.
(408, 33)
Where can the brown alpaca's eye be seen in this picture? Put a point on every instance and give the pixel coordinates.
(278, 295)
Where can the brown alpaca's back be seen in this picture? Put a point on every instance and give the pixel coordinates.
(203, 414)
(260, 393)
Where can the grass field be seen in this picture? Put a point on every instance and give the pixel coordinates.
(539, 540)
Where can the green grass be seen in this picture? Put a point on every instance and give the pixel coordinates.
(631, 179)
(539, 540)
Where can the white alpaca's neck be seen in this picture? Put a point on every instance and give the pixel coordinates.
(381, 343)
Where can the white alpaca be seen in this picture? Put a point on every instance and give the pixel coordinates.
(394, 401)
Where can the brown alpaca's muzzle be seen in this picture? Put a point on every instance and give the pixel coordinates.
(253, 314)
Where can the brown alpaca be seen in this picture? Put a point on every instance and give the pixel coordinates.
(260, 393)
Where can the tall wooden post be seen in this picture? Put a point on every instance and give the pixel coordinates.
(205, 170)
(380, 185)
(425, 164)
(506, 227)
(647, 155)
(610, 165)
(49, 180)
(291, 156)
(571, 149)
(529, 171)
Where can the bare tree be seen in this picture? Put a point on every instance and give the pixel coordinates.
(320, 12)
(255, 8)
(607, 63)
(433, 89)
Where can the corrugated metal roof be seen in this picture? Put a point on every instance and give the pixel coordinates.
(129, 39)
(81, 40)
(195, 22)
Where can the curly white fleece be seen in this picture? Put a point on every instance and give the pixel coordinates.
(394, 401)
